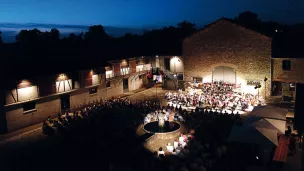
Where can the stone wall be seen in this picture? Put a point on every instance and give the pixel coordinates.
(296, 74)
(49, 106)
(135, 84)
(83, 96)
(116, 89)
(226, 44)
(16, 119)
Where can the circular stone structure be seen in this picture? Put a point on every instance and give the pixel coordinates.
(168, 131)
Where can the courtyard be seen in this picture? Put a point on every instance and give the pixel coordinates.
(113, 151)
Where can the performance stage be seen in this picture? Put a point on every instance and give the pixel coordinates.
(217, 97)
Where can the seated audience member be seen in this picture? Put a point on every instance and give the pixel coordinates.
(68, 118)
(174, 152)
(185, 136)
(288, 132)
(202, 168)
(170, 148)
(178, 149)
(218, 153)
(155, 154)
(50, 120)
(46, 129)
(175, 144)
(58, 126)
(186, 150)
(161, 152)
(79, 115)
(181, 155)
(60, 120)
(181, 139)
(184, 144)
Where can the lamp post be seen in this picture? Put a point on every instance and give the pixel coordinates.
(265, 80)
(258, 86)
(155, 82)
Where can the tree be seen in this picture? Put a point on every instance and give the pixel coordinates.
(55, 34)
(34, 36)
(248, 19)
(186, 28)
(72, 37)
(96, 34)
(186, 25)
(1, 41)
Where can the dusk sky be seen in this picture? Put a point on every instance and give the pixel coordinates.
(142, 13)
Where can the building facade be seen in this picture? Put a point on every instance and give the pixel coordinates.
(30, 101)
(222, 52)
(226, 52)
(286, 73)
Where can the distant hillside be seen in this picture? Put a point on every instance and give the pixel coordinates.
(10, 30)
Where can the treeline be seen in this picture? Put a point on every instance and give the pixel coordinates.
(36, 50)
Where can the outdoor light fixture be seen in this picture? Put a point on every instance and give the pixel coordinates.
(265, 79)
(62, 76)
(175, 58)
(258, 86)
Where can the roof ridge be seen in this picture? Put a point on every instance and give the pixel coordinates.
(228, 20)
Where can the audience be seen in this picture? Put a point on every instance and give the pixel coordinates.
(193, 148)
(161, 152)
(215, 96)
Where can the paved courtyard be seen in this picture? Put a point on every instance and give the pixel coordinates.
(33, 133)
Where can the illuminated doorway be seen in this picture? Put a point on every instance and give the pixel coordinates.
(224, 74)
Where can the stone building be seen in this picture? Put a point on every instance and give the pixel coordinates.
(227, 52)
(29, 101)
(286, 73)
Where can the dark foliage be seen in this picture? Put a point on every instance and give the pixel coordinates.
(36, 51)
(1, 41)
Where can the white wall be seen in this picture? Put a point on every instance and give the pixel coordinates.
(27, 93)
(109, 74)
(24, 94)
(135, 83)
(115, 89)
(179, 64)
(95, 79)
(62, 86)
(16, 119)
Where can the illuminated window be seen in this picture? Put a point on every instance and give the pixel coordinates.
(286, 65)
(124, 71)
(139, 68)
(109, 74)
(28, 107)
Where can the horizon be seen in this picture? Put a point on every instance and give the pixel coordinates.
(136, 13)
(10, 29)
